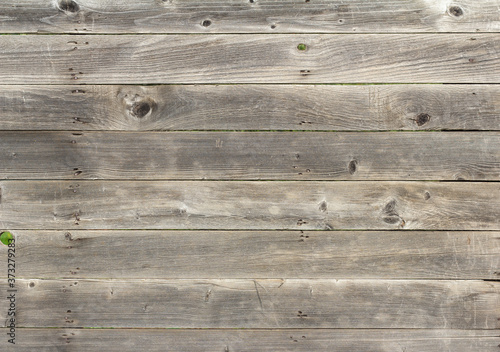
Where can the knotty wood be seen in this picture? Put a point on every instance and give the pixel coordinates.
(240, 16)
(249, 205)
(257, 254)
(121, 59)
(287, 303)
(304, 340)
(250, 107)
(224, 155)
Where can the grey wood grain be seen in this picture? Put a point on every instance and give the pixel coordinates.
(299, 340)
(250, 156)
(257, 254)
(258, 58)
(250, 107)
(249, 205)
(240, 16)
(292, 303)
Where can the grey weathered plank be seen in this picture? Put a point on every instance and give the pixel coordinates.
(292, 303)
(250, 155)
(257, 254)
(250, 107)
(259, 58)
(249, 205)
(303, 340)
(240, 16)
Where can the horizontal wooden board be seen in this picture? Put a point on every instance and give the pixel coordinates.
(299, 340)
(441, 304)
(258, 254)
(250, 156)
(249, 205)
(240, 16)
(250, 107)
(259, 58)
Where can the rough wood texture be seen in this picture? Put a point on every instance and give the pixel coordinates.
(250, 156)
(249, 205)
(243, 16)
(258, 254)
(288, 303)
(250, 107)
(138, 59)
(303, 340)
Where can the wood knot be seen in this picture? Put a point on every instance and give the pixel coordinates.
(140, 109)
(422, 119)
(323, 207)
(206, 23)
(456, 11)
(32, 284)
(68, 6)
(353, 166)
(390, 214)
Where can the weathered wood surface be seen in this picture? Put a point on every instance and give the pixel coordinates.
(250, 156)
(246, 58)
(290, 303)
(243, 16)
(303, 340)
(250, 107)
(258, 254)
(249, 205)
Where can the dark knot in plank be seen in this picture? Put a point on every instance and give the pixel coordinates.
(456, 11)
(353, 166)
(140, 109)
(422, 119)
(68, 6)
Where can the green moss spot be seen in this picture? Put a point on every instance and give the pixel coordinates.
(302, 47)
(5, 237)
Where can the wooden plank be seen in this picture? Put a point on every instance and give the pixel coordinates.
(249, 205)
(303, 340)
(258, 254)
(250, 107)
(241, 16)
(291, 303)
(250, 156)
(258, 58)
